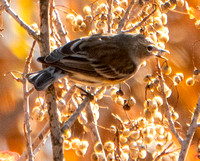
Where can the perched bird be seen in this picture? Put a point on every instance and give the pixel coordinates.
(98, 60)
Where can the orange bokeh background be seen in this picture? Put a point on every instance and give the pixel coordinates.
(15, 46)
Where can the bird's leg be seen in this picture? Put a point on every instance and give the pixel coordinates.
(85, 92)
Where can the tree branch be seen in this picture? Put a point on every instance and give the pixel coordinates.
(37, 143)
(109, 2)
(26, 105)
(190, 133)
(141, 22)
(166, 105)
(44, 28)
(44, 133)
(125, 17)
(92, 126)
(56, 136)
(7, 8)
(73, 118)
(58, 23)
(164, 152)
(60, 29)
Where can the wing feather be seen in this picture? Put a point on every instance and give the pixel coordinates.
(95, 56)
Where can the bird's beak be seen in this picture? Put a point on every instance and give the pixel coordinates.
(160, 52)
(162, 57)
(163, 51)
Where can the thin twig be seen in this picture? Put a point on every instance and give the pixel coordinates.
(69, 94)
(92, 126)
(26, 108)
(119, 119)
(109, 14)
(15, 78)
(190, 133)
(163, 152)
(125, 17)
(39, 139)
(141, 22)
(193, 53)
(37, 142)
(9, 10)
(135, 11)
(28, 60)
(71, 10)
(73, 118)
(51, 17)
(92, 123)
(55, 35)
(30, 91)
(60, 29)
(58, 23)
(26, 105)
(42, 142)
(166, 105)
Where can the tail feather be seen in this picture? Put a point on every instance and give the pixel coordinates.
(42, 79)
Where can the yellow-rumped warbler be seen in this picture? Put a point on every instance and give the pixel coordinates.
(95, 61)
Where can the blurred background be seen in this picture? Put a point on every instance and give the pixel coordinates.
(15, 45)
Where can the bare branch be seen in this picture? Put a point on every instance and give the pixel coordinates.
(58, 23)
(190, 133)
(164, 152)
(28, 60)
(56, 136)
(109, 14)
(37, 142)
(92, 126)
(125, 17)
(73, 118)
(166, 105)
(60, 29)
(69, 94)
(141, 22)
(26, 106)
(44, 28)
(39, 138)
(51, 16)
(42, 142)
(30, 91)
(7, 8)
(64, 10)
(15, 78)
(44, 133)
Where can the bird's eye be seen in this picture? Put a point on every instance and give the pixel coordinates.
(149, 48)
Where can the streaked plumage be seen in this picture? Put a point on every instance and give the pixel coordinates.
(95, 61)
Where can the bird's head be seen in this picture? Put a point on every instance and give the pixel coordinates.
(143, 47)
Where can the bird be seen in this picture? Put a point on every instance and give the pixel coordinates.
(97, 60)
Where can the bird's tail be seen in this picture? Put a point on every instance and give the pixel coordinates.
(42, 79)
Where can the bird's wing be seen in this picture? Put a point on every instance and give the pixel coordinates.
(57, 54)
(96, 56)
